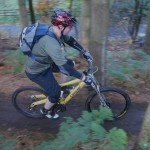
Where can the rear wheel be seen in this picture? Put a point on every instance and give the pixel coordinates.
(117, 99)
(22, 99)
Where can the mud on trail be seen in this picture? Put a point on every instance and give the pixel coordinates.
(29, 132)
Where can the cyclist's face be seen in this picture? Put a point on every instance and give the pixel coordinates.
(67, 30)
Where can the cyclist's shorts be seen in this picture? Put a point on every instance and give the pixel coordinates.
(47, 81)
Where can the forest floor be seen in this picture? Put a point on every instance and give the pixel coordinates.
(29, 132)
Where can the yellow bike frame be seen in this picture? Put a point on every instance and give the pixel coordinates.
(78, 84)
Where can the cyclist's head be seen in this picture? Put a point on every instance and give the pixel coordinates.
(62, 17)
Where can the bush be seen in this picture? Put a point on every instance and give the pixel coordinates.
(87, 133)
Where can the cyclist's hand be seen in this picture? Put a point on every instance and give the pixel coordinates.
(87, 55)
(87, 79)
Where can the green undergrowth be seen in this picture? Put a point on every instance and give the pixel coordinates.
(144, 144)
(6, 144)
(87, 133)
(128, 67)
(16, 60)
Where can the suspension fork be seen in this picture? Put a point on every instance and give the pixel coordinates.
(102, 98)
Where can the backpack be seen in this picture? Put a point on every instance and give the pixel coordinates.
(31, 34)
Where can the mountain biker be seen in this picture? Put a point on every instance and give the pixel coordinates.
(49, 58)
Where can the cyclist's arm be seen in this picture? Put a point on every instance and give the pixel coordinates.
(73, 43)
(70, 71)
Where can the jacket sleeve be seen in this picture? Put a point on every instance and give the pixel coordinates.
(70, 71)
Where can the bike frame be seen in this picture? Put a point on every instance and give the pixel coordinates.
(78, 84)
(100, 96)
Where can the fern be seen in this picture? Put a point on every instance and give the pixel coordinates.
(116, 142)
(87, 133)
(132, 67)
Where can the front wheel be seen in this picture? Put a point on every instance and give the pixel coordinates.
(23, 98)
(117, 100)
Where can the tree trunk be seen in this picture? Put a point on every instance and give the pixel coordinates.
(144, 137)
(85, 23)
(99, 25)
(32, 16)
(147, 38)
(23, 13)
(70, 5)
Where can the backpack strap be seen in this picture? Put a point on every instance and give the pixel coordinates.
(51, 34)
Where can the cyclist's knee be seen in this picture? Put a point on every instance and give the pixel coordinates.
(54, 98)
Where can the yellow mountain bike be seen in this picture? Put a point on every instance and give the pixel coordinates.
(29, 100)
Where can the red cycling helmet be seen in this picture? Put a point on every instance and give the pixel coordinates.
(62, 17)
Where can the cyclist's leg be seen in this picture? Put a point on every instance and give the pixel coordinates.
(63, 78)
(47, 81)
